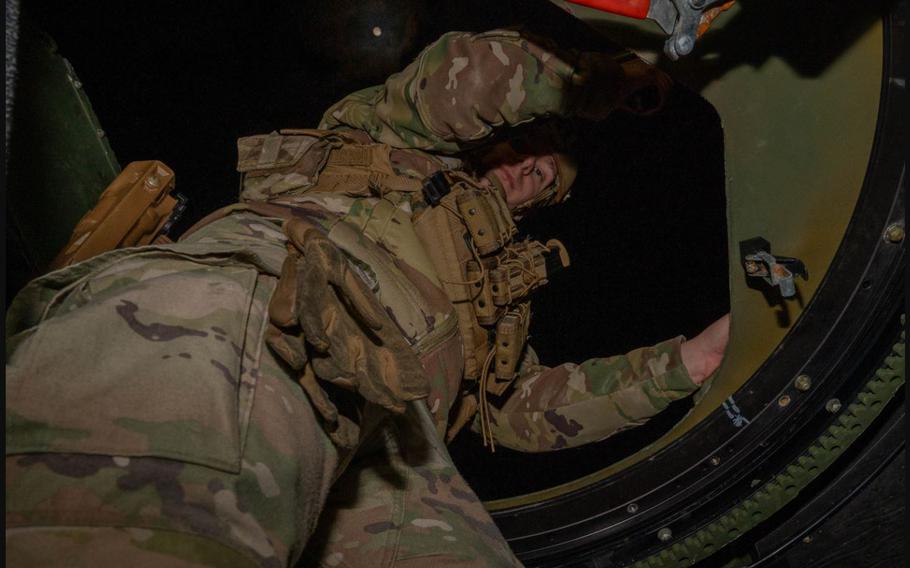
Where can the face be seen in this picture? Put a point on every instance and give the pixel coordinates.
(522, 176)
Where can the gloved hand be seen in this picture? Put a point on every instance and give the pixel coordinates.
(644, 88)
(602, 85)
(357, 346)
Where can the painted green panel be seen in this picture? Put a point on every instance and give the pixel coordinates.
(59, 158)
(796, 88)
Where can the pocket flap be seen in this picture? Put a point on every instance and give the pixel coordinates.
(271, 151)
(159, 362)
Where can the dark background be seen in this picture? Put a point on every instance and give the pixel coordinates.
(181, 81)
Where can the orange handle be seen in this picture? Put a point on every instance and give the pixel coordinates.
(633, 8)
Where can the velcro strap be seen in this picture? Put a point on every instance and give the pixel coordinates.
(351, 155)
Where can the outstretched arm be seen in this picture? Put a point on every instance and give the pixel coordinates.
(463, 86)
(571, 405)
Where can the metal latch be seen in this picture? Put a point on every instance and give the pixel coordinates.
(683, 20)
(779, 271)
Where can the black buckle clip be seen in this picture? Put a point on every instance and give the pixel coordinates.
(435, 188)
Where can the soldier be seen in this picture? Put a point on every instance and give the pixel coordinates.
(287, 373)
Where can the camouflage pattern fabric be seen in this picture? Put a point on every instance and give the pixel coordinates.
(187, 478)
(140, 395)
(458, 90)
(404, 504)
(570, 405)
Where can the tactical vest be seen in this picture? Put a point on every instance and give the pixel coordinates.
(461, 236)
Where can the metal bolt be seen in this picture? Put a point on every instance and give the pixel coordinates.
(894, 233)
(807, 539)
(632, 508)
(715, 461)
(664, 534)
(77, 83)
(377, 31)
(783, 401)
(684, 45)
(803, 383)
(832, 405)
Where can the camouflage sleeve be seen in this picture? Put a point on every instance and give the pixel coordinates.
(460, 88)
(571, 405)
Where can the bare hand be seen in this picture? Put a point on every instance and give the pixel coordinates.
(703, 353)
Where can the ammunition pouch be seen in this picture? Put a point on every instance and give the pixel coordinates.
(468, 236)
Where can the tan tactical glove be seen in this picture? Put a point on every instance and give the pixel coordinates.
(602, 85)
(357, 346)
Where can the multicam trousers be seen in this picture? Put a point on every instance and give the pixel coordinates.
(149, 425)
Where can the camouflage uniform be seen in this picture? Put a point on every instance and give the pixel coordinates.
(149, 424)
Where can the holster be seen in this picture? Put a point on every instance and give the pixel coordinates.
(136, 209)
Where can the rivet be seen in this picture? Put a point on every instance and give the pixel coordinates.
(783, 401)
(632, 508)
(803, 383)
(472, 211)
(715, 461)
(832, 405)
(894, 233)
(664, 534)
(77, 83)
(377, 31)
(684, 45)
(807, 539)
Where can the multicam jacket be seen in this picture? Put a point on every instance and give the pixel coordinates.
(455, 95)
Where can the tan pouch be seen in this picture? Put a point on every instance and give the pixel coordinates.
(443, 237)
(511, 335)
(133, 211)
(491, 226)
(487, 312)
(275, 164)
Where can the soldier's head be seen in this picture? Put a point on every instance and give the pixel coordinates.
(533, 169)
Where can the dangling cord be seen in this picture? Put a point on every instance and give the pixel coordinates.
(486, 429)
(516, 263)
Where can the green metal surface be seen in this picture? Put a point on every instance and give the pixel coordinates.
(773, 495)
(59, 159)
(799, 110)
